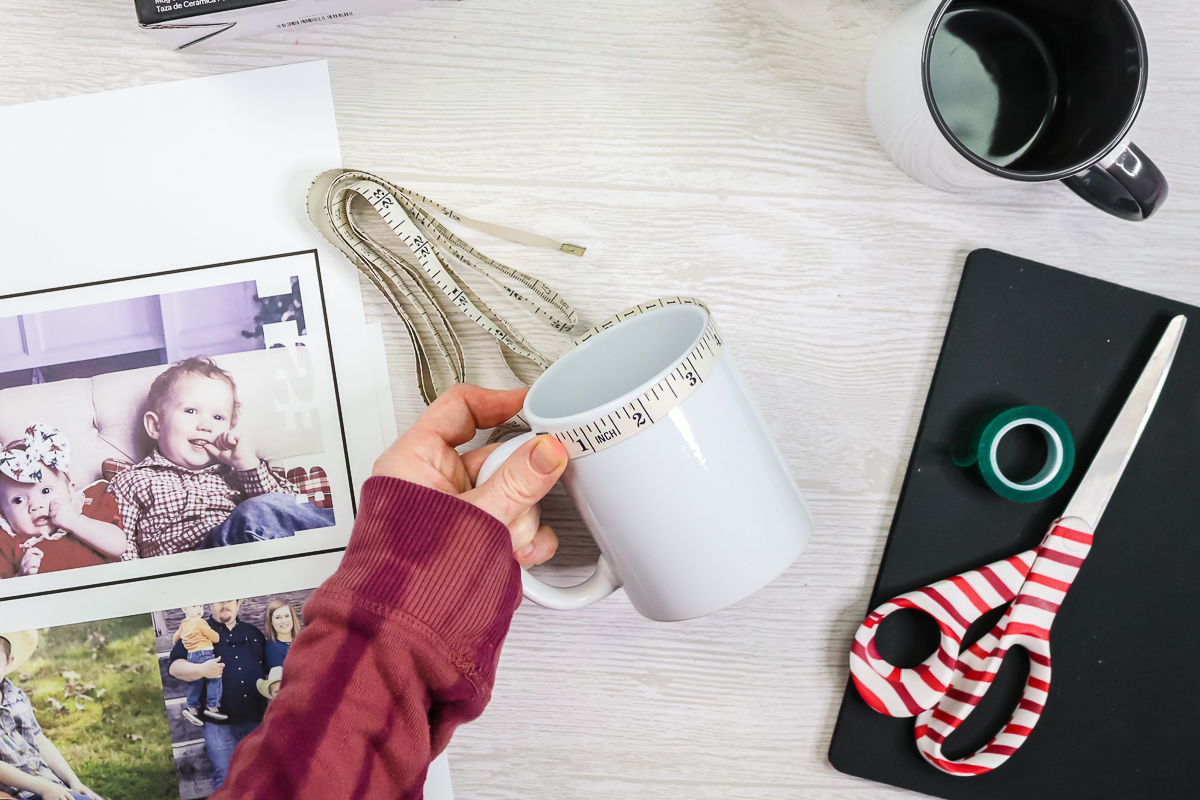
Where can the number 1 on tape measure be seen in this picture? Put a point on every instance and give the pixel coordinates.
(656, 402)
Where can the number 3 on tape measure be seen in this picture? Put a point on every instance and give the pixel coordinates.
(657, 401)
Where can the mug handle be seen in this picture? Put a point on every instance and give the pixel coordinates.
(600, 585)
(1124, 183)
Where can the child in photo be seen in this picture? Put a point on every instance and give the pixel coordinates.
(31, 767)
(198, 639)
(49, 526)
(204, 485)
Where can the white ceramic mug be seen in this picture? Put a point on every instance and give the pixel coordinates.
(692, 513)
(969, 94)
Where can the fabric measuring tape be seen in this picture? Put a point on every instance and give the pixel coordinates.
(1060, 454)
(413, 218)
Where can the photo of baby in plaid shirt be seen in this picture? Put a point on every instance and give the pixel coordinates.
(196, 408)
(204, 485)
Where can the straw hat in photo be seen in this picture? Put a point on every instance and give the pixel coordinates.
(21, 645)
(269, 687)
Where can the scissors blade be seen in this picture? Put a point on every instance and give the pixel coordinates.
(1106, 468)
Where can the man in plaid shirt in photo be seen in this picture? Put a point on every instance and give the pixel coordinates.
(204, 485)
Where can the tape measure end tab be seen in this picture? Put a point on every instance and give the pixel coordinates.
(573, 249)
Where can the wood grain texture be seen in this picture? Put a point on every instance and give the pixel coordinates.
(718, 148)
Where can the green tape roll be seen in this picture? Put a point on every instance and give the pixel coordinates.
(1060, 454)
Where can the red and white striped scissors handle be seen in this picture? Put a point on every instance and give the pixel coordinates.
(943, 690)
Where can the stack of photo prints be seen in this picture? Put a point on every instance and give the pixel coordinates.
(178, 473)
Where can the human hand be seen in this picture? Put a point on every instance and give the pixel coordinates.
(65, 513)
(213, 668)
(425, 455)
(234, 449)
(31, 562)
(54, 791)
(79, 788)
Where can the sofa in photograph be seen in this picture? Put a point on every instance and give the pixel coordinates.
(102, 417)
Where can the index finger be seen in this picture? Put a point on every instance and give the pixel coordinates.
(464, 409)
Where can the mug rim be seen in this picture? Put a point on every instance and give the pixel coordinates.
(558, 424)
(1049, 175)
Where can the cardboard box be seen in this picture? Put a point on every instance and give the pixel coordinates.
(187, 23)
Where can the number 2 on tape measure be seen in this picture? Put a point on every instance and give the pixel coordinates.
(658, 400)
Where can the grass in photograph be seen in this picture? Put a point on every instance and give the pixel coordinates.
(96, 690)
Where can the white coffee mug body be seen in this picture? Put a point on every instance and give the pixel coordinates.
(692, 513)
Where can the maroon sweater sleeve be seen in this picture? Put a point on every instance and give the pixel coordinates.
(399, 648)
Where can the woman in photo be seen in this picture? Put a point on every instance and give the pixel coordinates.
(280, 625)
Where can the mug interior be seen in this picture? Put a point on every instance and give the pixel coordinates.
(625, 360)
(1034, 89)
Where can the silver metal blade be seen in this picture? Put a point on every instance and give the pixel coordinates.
(1106, 468)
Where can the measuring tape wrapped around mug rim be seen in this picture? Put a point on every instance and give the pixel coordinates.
(651, 405)
(413, 218)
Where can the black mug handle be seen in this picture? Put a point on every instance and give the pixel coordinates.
(1130, 187)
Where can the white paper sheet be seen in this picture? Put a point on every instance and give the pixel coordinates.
(173, 177)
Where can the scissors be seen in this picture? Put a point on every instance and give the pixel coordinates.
(943, 690)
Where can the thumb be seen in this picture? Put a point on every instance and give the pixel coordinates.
(522, 480)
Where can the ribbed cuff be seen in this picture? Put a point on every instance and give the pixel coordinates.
(437, 558)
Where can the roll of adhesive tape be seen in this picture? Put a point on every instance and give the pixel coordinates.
(1060, 454)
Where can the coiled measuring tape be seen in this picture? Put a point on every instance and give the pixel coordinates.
(413, 218)
(657, 401)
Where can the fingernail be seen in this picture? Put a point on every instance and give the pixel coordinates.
(524, 552)
(546, 456)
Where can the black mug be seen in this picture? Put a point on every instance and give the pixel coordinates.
(963, 94)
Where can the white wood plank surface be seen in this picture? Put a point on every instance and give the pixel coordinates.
(718, 148)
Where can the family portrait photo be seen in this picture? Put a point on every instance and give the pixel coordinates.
(167, 415)
(221, 664)
(82, 711)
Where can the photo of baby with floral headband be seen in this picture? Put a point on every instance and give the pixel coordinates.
(48, 525)
(202, 412)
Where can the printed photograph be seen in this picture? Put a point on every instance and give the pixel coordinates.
(158, 423)
(221, 664)
(81, 707)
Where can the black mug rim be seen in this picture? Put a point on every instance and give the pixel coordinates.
(1050, 175)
